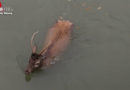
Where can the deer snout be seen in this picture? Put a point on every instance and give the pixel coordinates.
(28, 71)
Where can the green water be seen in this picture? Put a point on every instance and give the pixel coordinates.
(98, 57)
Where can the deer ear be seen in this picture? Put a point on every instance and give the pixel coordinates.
(34, 49)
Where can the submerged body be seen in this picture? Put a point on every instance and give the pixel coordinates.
(56, 41)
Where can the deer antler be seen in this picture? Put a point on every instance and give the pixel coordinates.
(31, 42)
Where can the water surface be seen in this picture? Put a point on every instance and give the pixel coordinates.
(98, 57)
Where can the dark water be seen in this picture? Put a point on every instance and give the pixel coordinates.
(98, 57)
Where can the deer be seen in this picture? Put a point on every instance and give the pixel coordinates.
(56, 41)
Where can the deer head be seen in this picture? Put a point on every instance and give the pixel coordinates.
(35, 60)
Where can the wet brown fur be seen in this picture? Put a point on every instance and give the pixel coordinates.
(56, 41)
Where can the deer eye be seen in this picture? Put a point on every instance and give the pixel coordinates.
(37, 57)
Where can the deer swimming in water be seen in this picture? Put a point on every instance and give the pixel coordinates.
(56, 41)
